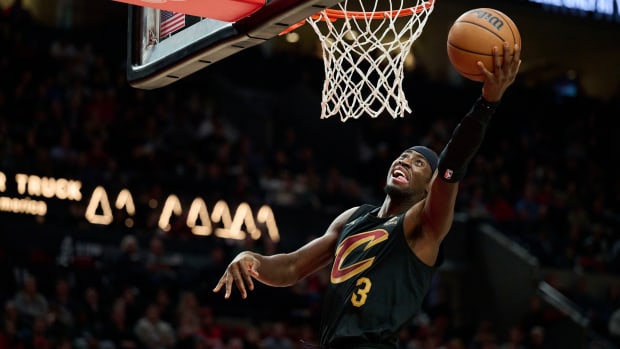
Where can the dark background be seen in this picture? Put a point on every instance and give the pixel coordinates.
(247, 129)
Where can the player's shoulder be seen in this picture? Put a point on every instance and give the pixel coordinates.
(345, 216)
(362, 210)
(351, 212)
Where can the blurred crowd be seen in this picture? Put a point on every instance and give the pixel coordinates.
(545, 177)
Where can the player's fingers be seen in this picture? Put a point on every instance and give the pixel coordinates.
(220, 283)
(240, 274)
(498, 59)
(508, 58)
(253, 270)
(517, 56)
(224, 282)
(484, 70)
(247, 279)
(234, 275)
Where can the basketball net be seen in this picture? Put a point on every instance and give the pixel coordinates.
(364, 51)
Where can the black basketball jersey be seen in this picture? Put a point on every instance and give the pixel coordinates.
(377, 284)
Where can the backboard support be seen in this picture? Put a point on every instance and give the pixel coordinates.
(154, 62)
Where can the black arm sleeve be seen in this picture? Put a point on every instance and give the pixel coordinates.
(466, 139)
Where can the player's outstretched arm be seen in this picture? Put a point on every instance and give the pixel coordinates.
(283, 269)
(465, 142)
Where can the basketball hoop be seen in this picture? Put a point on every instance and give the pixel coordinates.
(364, 52)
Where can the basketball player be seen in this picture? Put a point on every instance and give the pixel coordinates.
(382, 258)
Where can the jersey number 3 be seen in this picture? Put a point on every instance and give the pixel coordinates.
(358, 298)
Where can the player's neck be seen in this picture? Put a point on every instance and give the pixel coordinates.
(392, 207)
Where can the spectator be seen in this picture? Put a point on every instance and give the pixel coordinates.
(62, 302)
(129, 267)
(133, 307)
(235, 343)
(118, 331)
(210, 332)
(162, 268)
(163, 299)
(39, 338)
(187, 320)
(11, 332)
(278, 337)
(515, 340)
(187, 327)
(91, 318)
(529, 210)
(188, 305)
(152, 332)
(56, 329)
(538, 314)
(29, 302)
(484, 336)
(537, 338)
(252, 338)
(17, 14)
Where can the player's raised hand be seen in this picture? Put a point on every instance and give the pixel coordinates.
(505, 70)
(240, 271)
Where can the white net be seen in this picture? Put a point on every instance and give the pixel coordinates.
(364, 52)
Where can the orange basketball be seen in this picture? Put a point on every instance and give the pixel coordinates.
(472, 37)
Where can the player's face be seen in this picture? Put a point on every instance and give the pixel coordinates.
(408, 175)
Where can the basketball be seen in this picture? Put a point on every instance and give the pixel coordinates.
(472, 36)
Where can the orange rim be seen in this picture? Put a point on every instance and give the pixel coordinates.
(333, 15)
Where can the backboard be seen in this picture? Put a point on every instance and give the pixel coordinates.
(164, 46)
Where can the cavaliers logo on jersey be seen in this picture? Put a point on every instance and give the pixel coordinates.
(341, 270)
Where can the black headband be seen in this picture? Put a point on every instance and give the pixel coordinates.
(429, 154)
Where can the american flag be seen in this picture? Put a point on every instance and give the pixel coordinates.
(169, 22)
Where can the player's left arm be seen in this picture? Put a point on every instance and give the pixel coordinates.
(438, 210)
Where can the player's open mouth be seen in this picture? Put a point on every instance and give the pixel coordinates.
(399, 176)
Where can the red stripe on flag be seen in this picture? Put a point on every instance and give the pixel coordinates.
(170, 22)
